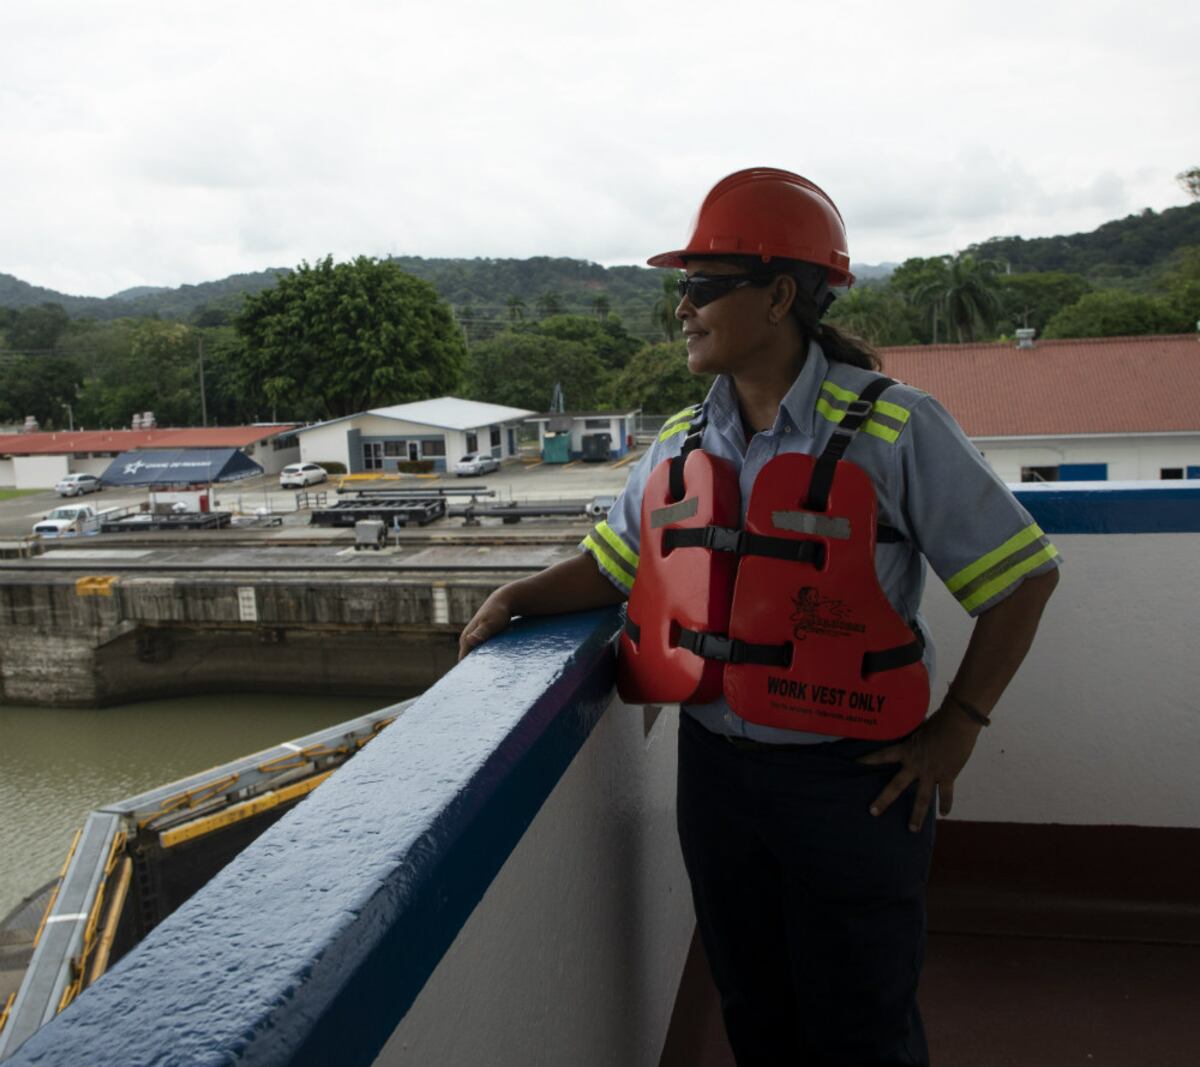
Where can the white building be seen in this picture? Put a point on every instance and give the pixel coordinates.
(441, 431)
(1085, 409)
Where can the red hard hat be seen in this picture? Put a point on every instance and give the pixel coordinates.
(769, 213)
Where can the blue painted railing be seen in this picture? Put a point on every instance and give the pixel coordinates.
(310, 947)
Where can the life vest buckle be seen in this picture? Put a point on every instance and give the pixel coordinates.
(725, 539)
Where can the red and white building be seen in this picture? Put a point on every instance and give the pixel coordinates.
(38, 460)
(1086, 409)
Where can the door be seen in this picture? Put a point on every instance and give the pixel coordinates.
(414, 451)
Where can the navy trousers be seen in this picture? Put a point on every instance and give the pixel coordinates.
(811, 911)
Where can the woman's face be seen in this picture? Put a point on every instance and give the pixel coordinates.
(726, 335)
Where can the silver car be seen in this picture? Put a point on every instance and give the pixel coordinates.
(77, 485)
(476, 463)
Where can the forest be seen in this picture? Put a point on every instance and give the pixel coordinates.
(321, 340)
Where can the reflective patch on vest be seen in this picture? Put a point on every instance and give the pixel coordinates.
(685, 509)
(836, 528)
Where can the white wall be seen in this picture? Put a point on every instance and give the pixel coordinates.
(326, 443)
(271, 459)
(1129, 458)
(1102, 724)
(573, 955)
(7, 474)
(38, 472)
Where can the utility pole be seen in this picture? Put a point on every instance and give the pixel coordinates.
(203, 399)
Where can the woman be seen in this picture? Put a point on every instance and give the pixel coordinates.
(807, 875)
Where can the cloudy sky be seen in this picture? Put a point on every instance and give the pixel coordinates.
(151, 143)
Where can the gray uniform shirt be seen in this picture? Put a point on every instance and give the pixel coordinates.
(931, 483)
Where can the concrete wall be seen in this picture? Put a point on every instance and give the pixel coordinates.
(1133, 458)
(39, 472)
(1102, 723)
(272, 459)
(573, 955)
(66, 644)
(7, 474)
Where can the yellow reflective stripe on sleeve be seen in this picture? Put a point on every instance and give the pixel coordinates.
(606, 563)
(1014, 544)
(617, 545)
(1001, 582)
(829, 411)
(670, 431)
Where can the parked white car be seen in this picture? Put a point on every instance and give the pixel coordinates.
(77, 484)
(476, 463)
(298, 475)
(68, 519)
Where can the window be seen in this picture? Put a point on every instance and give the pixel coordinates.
(1171, 473)
(1039, 474)
(495, 436)
(597, 424)
(433, 448)
(394, 448)
(472, 442)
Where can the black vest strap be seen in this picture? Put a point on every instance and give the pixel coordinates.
(731, 650)
(691, 442)
(890, 659)
(857, 412)
(729, 539)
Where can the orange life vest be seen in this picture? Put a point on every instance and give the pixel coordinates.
(784, 615)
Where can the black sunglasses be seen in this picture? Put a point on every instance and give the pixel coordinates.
(703, 289)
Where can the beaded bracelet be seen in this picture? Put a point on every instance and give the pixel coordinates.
(971, 712)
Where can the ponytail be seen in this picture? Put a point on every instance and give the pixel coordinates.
(845, 348)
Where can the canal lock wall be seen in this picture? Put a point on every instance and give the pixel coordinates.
(95, 640)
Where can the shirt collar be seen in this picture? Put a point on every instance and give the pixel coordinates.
(798, 404)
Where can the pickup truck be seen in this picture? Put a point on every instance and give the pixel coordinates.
(68, 519)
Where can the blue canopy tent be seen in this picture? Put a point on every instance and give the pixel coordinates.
(180, 466)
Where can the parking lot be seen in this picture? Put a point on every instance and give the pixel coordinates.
(514, 481)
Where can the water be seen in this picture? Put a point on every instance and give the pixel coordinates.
(58, 764)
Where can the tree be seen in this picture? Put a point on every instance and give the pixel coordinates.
(1190, 180)
(41, 386)
(516, 309)
(549, 303)
(919, 282)
(662, 315)
(1182, 286)
(1032, 298)
(658, 381)
(1110, 313)
(607, 339)
(334, 339)
(521, 368)
(142, 365)
(37, 329)
(601, 307)
(874, 313)
(965, 296)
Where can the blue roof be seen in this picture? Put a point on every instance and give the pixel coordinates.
(180, 466)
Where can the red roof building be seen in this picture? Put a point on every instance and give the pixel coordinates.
(1103, 408)
(38, 460)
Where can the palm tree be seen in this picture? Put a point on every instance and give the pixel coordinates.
(965, 297)
(516, 309)
(601, 307)
(662, 314)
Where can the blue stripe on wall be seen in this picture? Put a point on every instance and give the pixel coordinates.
(1148, 509)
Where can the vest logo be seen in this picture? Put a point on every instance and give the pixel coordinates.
(823, 615)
